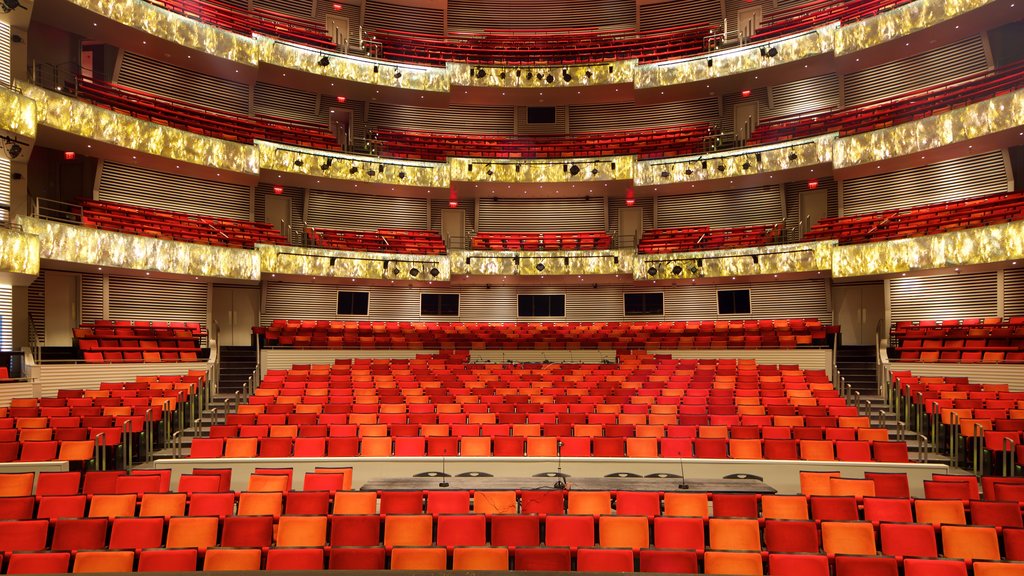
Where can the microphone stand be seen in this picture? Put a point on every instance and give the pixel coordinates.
(560, 481)
(444, 474)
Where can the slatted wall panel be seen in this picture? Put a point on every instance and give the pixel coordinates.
(732, 8)
(792, 192)
(181, 84)
(943, 297)
(301, 8)
(5, 189)
(92, 297)
(152, 189)
(646, 204)
(933, 67)
(467, 204)
(789, 3)
(298, 196)
(541, 214)
(345, 211)
(351, 11)
(1013, 292)
(939, 182)
(559, 126)
(804, 95)
(677, 13)
(6, 302)
(722, 208)
(475, 119)
(539, 14)
(5, 54)
(148, 299)
(357, 107)
(630, 116)
(37, 306)
(583, 302)
(240, 4)
(282, 102)
(420, 19)
(729, 102)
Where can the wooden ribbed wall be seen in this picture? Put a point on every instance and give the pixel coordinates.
(141, 187)
(933, 67)
(939, 182)
(302, 8)
(179, 83)
(540, 14)
(283, 102)
(37, 306)
(92, 297)
(467, 204)
(583, 302)
(679, 12)
(357, 107)
(630, 116)
(407, 18)
(722, 208)
(541, 214)
(133, 298)
(559, 126)
(5, 57)
(816, 93)
(345, 211)
(1013, 292)
(462, 119)
(944, 297)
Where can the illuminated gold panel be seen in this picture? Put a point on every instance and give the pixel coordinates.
(618, 72)
(972, 246)
(353, 68)
(82, 245)
(187, 32)
(804, 257)
(735, 60)
(20, 117)
(900, 22)
(552, 170)
(282, 158)
(581, 262)
(973, 121)
(19, 252)
(78, 117)
(365, 265)
(773, 158)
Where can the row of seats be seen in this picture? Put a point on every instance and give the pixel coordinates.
(201, 119)
(179, 226)
(438, 146)
(382, 240)
(255, 21)
(817, 13)
(534, 241)
(960, 340)
(110, 341)
(694, 238)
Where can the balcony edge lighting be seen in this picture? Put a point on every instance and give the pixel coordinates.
(325, 263)
(899, 22)
(309, 162)
(542, 76)
(775, 259)
(542, 170)
(542, 263)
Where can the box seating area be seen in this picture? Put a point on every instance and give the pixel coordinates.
(817, 13)
(382, 240)
(699, 334)
(68, 426)
(179, 226)
(963, 340)
(543, 46)
(697, 238)
(438, 146)
(537, 241)
(139, 341)
(895, 110)
(203, 120)
(115, 522)
(921, 220)
(249, 22)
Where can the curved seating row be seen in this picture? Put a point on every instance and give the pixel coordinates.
(382, 240)
(694, 238)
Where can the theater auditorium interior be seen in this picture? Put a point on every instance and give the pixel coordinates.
(688, 286)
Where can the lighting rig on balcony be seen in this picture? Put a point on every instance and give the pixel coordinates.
(695, 266)
(388, 264)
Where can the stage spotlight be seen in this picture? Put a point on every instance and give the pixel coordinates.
(677, 270)
(434, 272)
(376, 68)
(529, 75)
(540, 266)
(710, 62)
(518, 73)
(396, 271)
(613, 166)
(700, 262)
(565, 167)
(334, 260)
(549, 78)
(468, 259)
(470, 167)
(703, 164)
(566, 260)
(414, 272)
(773, 52)
(490, 172)
(327, 164)
(688, 172)
(566, 76)
(792, 156)
(756, 258)
(764, 52)
(324, 61)
(588, 74)
(615, 259)
(574, 170)
(721, 167)
(665, 174)
(652, 271)
(502, 75)
(380, 168)
(757, 156)
(385, 266)
(515, 260)
(398, 73)
(595, 171)
(480, 73)
(518, 167)
(611, 69)
(353, 170)
(746, 164)
(298, 161)
(401, 175)
(692, 269)
(370, 171)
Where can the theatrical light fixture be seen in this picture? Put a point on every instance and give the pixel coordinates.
(540, 266)
(370, 171)
(677, 269)
(518, 72)
(793, 156)
(298, 162)
(588, 73)
(721, 167)
(515, 260)
(757, 156)
(334, 260)
(398, 73)
(518, 167)
(595, 171)
(574, 170)
(468, 259)
(700, 262)
(665, 174)
(613, 166)
(652, 271)
(490, 172)
(688, 171)
(386, 266)
(529, 75)
(414, 272)
(480, 73)
(11, 5)
(549, 78)
(615, 259)
(327, 164)
(710, 62)
(566, 76)
(396, 271)
(401, 174)
(380, 168)
(323, 61)
(502, 75)
(755, 258)
(773, 52)
(611, 69)
(746, 164)
(434, 272)
(566, 260)
(704, 164)
(353, 170)
(470, 167)
(376, 68)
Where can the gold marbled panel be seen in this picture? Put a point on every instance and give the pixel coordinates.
(985, 245)
(581, 262)
(735, 60)
(549, 170)
(282, 158)
(774, 157)
(803, 257)
(19, 252)
(900, 22)
(961, 124)
(176, 28)
(82, 245)
(83, 119)
(353, 68)
(20, 117)
(496, 76)
(365, 265)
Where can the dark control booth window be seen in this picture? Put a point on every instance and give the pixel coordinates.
(644, 304)
(439, 304)
(353, 303)
(734, 301)
(542, 304)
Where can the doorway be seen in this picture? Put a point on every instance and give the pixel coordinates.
(235, 312)
(746, 116)
(61, 308)
(453, 227)
(858, 310)
(813, 207)
(277, 211)
(631, 226)
(747, 21)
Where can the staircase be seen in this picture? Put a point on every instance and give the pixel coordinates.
(236, 365)
(858, 368)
